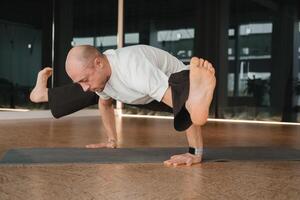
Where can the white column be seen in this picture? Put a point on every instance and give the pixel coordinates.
(120, 37)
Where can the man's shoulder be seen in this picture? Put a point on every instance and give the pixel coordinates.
(138, 48)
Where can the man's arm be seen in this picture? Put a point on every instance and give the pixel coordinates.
(195, 140)
(108, 118)
(194, 137)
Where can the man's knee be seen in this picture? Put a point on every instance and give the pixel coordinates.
(167, 98)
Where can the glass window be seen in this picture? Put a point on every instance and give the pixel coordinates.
(95, 23)
(260, 56)
(297, 91)
(24, 43)
(168, 25)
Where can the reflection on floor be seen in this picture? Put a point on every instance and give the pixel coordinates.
(210, 180)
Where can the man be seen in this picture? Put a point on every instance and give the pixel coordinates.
(138, 75)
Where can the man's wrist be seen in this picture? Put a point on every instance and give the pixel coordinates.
(112, 143)
(196, 151)
(112, 140)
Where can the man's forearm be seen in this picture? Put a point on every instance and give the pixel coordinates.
(108, 119)
(195, 153)
(194, 136)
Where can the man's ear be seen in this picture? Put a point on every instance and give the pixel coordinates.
(98, 62)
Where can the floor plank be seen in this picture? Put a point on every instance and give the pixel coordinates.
(211, 180)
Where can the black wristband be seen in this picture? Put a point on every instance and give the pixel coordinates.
(192, 150)
(195, 151)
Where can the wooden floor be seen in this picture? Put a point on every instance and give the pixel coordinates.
(210, 180)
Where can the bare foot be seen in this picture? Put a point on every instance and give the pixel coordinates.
(202, 85)
(40, 91)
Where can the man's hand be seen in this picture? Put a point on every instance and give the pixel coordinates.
(109, 144)
(183, 159)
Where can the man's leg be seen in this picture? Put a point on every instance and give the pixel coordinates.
(106, 108)
(194, 137)
(202, 85)
(70, 98)
(62, 100)
(39, 93)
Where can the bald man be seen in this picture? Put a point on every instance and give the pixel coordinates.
(136, 75)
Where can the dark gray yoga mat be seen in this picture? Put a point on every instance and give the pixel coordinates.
(141, 155)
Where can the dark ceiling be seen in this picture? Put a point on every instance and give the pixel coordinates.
(101, 16)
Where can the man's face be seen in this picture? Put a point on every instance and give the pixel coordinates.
(91, 78)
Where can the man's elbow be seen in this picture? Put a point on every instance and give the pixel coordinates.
(107, 103)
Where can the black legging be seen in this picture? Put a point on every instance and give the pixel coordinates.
(70, 98)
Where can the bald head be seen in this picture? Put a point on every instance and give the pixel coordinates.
(81, 56)
(88, 67)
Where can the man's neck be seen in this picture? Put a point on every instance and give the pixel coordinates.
(107, 66)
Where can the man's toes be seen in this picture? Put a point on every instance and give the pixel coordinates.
(201, 62)
(194, 61)
(211, 69)
(48, 71)
(206, 64)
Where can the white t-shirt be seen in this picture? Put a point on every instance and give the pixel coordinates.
(140, 74)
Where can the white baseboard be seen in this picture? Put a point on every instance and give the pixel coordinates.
(39, 114)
